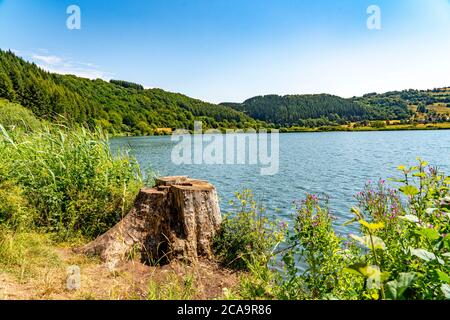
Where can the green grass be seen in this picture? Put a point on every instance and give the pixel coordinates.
(174, 288)
(14, 116)
(64, 180)
(25, 254)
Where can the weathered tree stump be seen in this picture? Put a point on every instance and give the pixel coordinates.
(177, 219)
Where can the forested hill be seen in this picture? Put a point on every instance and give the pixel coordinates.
(119, 106)
(124, 107)
(320, 109)
(432, 102)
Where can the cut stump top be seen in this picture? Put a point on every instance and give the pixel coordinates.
(182, 183)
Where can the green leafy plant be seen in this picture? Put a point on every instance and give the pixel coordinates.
(68, 177)
(401, 249)
(314, 244)
(248, 236)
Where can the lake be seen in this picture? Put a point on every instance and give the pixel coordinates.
(337, 164)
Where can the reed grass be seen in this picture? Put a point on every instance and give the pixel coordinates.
(64, 180)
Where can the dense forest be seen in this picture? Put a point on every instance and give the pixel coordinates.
(121, 107)
(321, 109)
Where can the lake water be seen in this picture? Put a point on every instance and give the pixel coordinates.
(337, 164)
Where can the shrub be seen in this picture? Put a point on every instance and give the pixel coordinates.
(378, 124)
(70, 178)
(247, 237)
(15, 211)
(401, 249)
(314, 244)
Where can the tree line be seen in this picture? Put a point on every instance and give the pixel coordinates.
(120, 107)
(124, 107)
(321, 109)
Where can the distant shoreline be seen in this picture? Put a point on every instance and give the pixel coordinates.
(421, 127)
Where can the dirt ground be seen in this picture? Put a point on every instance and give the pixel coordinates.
(131, 280)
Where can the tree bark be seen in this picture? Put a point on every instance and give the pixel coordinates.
(177, 219)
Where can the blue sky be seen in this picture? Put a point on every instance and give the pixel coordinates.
(231, 50)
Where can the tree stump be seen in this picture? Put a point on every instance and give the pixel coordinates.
(176, 219)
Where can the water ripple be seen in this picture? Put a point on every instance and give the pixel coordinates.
(337, 164)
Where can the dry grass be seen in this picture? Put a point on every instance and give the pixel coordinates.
(439, 108)
(44, 276)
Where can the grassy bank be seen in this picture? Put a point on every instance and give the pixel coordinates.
(350, 128)
(61, 186)
(343, 128)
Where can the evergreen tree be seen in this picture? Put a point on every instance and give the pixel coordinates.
(6, 87)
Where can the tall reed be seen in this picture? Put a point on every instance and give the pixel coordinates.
(69, 177)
